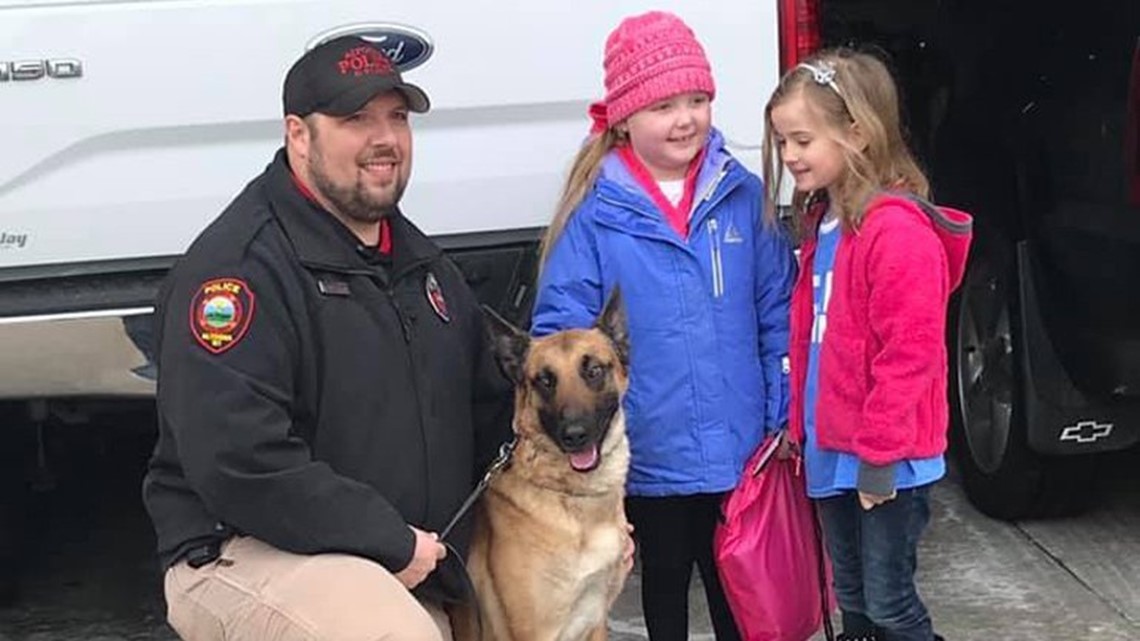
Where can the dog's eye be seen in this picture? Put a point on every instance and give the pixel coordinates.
(594, 371)
(545, 381)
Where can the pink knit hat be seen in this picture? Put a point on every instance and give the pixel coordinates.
(650, 57)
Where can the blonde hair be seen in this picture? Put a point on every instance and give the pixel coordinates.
(583, 173)
(860, 92)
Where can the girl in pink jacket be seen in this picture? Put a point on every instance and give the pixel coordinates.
(868, 357)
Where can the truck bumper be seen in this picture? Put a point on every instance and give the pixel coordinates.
(99, 353)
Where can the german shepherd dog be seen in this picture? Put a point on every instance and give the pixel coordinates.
(546, 556)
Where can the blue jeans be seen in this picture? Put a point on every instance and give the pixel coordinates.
(874, 557)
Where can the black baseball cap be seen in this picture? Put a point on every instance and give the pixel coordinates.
(340, 76)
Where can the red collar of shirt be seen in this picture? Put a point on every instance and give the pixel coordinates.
(676, 215)
(385, 227)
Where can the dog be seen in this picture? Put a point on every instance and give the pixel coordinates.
(548, 555)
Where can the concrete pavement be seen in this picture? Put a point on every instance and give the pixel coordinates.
(92, 576)
(1073, 579)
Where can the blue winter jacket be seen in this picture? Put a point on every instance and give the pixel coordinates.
(708, 318)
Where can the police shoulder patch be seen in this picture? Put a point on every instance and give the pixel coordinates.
(220, 313)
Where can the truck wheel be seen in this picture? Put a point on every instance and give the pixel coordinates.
(1003, 478)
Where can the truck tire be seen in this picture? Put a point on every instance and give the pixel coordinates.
(1002, 476)
(9, 553)
(14, 452)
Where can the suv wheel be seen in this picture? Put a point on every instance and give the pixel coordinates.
(1003, 478)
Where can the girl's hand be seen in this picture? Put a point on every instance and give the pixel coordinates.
(869, 501)
(627, 553)
(626, 560)
(788, 448)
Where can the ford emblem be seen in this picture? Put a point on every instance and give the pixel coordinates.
(408, 47)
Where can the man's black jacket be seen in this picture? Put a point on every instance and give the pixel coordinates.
(312, 395)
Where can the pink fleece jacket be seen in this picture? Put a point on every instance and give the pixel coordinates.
(883, 363)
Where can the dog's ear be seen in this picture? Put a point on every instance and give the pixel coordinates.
(508, 342)
(612, 322)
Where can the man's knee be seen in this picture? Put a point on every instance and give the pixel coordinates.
(333, 597)
(418, 626)
(348, 598)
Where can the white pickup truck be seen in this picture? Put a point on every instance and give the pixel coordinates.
(129, 124)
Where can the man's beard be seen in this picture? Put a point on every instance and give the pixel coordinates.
(355, 202)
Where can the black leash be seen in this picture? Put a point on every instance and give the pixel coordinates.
(500, 462)
(828, 629)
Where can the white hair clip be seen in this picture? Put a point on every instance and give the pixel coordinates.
(823, 73)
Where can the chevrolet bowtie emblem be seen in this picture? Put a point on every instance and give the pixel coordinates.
(1086, 432)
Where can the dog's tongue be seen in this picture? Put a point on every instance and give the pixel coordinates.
(585, 460)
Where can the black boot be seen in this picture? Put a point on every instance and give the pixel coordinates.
(857, 627)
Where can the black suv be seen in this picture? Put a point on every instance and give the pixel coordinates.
(1027, 114)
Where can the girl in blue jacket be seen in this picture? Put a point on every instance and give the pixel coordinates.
(656, 204)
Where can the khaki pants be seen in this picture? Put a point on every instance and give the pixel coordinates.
(255, 592)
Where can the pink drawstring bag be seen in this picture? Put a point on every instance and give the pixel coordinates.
(769, 553)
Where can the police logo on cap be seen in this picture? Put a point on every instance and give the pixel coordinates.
(340, 76)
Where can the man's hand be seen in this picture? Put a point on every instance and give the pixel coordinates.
(869, 501)
(429, 552)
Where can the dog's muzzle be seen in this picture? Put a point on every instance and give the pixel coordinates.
(584, 452)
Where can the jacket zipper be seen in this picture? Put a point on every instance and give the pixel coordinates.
(405, 325)
(406, 328)
(389, 289)
(713, 185)
(712, 196)
(717, 264)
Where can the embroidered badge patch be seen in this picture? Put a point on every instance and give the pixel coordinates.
(220, 313)
(435, 297)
